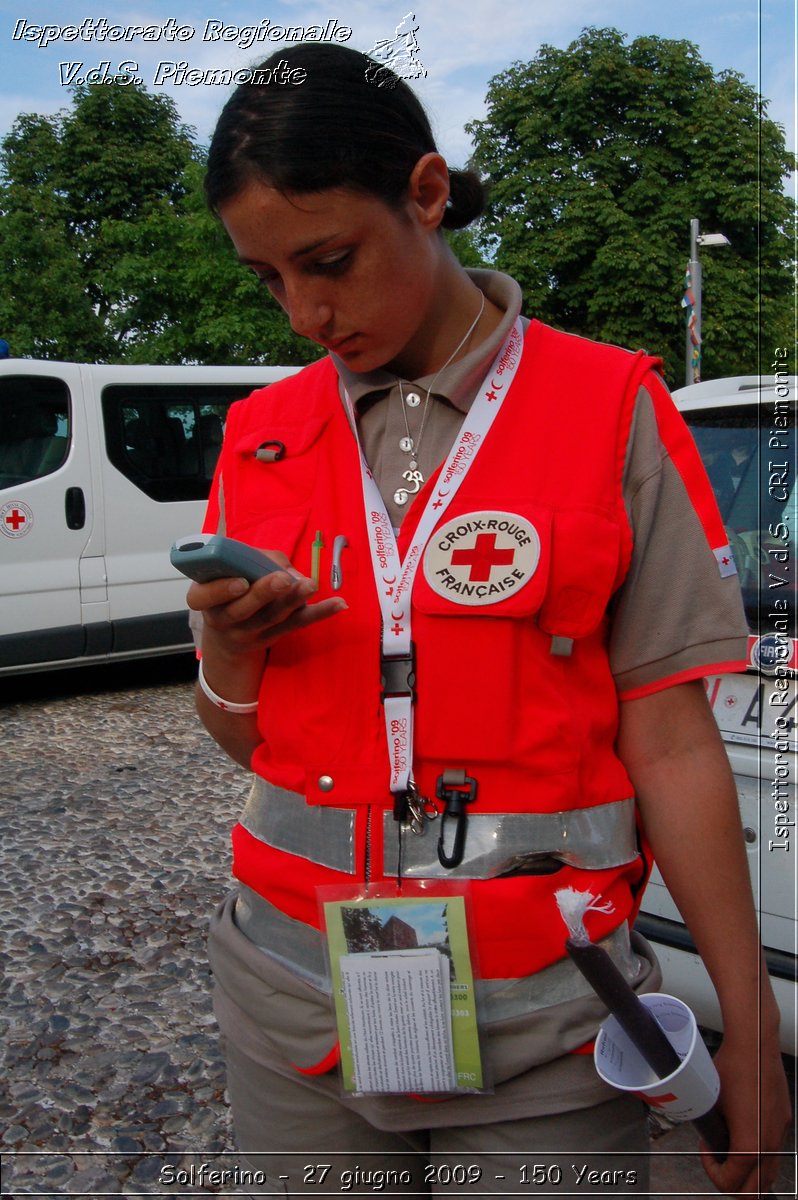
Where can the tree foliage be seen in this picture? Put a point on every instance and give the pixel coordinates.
(109, 253)
(598, 156)
(363, 929)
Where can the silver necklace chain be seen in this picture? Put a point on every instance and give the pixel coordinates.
(408, 443)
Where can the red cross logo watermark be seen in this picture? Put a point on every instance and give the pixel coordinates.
(481, 558)
(16, 519)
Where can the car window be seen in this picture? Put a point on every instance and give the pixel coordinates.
(166, 439)
(34, 427)
(751, 465)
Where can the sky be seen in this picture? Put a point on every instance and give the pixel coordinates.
(461, 46)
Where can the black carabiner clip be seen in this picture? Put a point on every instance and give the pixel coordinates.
(456, 790)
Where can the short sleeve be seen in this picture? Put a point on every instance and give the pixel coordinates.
(678, 614)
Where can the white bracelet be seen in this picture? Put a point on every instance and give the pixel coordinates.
(227, 705)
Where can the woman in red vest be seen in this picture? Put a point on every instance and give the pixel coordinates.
(464, 672)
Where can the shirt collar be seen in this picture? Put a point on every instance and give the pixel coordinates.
(457, 383)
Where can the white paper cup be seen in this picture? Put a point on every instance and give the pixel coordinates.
(687, 1093)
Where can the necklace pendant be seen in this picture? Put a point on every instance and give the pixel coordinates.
(406, 444)
(412, 399)
(413, 477)
(413, 464)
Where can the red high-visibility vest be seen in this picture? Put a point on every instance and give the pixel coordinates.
(535, 728)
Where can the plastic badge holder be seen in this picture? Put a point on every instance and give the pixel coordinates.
(687, 1093)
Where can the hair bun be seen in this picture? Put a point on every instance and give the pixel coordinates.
(467, 199)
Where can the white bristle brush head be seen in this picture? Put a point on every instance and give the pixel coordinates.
(573, 905)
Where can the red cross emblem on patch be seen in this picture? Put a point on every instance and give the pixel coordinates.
(481, 558)
(484, 557)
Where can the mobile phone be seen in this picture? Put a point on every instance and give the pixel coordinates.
(206, 556)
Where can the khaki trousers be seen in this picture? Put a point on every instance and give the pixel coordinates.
(296, 1140)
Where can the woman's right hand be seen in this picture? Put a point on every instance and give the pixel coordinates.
(240, 623)
(245, 619)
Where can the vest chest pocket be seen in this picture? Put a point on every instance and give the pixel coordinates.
(562, 566)
(493, 590)
(585, 570)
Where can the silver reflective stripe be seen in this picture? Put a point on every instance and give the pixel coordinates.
(562, 981)
(301, 949)
(496, 843)
(511, 843)
(296, 946)
(287, 822)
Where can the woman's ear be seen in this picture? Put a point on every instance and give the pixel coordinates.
(428, 189)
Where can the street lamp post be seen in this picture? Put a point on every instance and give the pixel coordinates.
(692, 299)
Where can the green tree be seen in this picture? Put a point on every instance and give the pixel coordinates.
(362, 929)
(189, 298)
(466, 247)
(108, 252)
(598, 156)
(41, 274)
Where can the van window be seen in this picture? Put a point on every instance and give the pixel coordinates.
(34, 427)
(751, 465)
(166, 439)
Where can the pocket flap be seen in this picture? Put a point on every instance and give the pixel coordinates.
(293, 438)
(585, 554)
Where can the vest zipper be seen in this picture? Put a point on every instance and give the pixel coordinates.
(367, 859)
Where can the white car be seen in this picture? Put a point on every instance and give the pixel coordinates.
(745, 430)
(101, 469)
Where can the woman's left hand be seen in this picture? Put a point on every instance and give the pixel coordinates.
(755, 1100)
(671, 746)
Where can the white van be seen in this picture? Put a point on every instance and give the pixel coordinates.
(101, 468)
(745, 430)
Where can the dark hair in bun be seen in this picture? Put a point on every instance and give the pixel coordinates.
(351, 122)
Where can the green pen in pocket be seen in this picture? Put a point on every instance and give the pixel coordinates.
(315, 558)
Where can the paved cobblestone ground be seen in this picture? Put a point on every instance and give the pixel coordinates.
(115, 810)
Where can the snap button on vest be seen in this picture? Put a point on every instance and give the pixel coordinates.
(326, 783)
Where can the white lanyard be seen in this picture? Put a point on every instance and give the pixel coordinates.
(394, 579)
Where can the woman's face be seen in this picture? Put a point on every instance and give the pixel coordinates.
(356, 276)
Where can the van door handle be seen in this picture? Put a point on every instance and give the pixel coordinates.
(75, 508)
